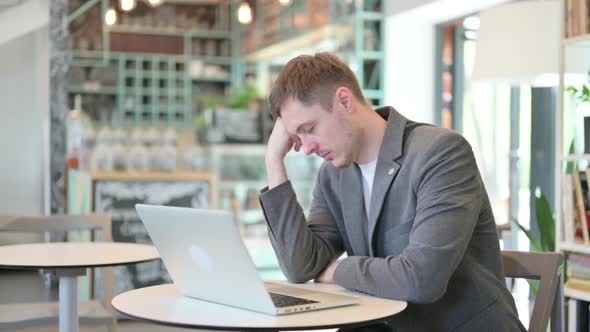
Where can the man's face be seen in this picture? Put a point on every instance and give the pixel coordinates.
(331, 135)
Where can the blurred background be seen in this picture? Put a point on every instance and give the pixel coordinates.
(109, 103)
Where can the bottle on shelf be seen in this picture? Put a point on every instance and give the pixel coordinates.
(101, 160)
(102, 156)
(153, 143)
(195, 159)
(79, 137)
(118, 145)
(169, 152)
(138, 158)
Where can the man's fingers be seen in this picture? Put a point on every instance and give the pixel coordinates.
(298, 144)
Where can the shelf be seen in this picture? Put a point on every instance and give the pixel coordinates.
(149, 73)
(209, 34)
(151, 176)
(211, 79)
(574, 247)
(372, 16)
(232, 184)
(171, 32)
(304, 41)
(576, 157)
(576, 294)
(214, 60)
(578, 41)
(98, 91)
(237, 149)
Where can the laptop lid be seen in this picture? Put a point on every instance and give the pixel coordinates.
(205, 256)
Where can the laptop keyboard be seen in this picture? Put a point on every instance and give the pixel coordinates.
(281, 301)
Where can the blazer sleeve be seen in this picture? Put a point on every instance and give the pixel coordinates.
(448, 202)
(304, 248)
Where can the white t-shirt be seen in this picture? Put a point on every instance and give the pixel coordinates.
(368, 171)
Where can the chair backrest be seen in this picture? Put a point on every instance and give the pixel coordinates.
(547, 267)
(70, 223)
(57, 223)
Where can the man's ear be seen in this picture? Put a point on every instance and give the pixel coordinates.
(343, 99)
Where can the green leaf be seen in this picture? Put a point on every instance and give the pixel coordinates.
(570, 165)
(533, 286)
(530, 235)
(545, 221)
(571, 90)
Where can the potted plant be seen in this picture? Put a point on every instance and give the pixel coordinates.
(582, 98)
(582, 94)
(545, 221)
(239, 120)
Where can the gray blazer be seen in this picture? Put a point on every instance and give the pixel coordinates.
(432, 238)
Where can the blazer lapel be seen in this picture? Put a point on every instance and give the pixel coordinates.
(387, 167)
(355, 218)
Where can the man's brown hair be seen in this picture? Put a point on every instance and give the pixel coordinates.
(312, 79)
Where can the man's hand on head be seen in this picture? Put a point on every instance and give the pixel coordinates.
(279, 144)
(327, 276)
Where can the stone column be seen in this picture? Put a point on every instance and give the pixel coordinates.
(58, 108)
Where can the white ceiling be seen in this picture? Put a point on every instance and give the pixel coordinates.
(436, 11)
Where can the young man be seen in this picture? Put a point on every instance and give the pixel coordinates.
(404, 200)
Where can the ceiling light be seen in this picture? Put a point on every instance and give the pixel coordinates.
(155, 3)
(471, 23)
(110, 17)
(245, 13)
(127, 5)
(285, 2)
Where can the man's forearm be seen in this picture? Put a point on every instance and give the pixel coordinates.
(303, 249)
(276, 173)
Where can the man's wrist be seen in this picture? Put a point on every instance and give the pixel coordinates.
(272, 160)
(276, 173)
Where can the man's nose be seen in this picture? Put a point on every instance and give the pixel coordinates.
(308, 147)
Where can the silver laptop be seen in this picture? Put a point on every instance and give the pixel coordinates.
(207, 260)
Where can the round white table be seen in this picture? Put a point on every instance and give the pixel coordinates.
(164, 305)
(70, 260)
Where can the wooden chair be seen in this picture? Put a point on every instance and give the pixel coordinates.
(93, 312)
(547, 267)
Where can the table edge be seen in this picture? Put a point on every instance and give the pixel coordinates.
(258, 328)
(38, 267)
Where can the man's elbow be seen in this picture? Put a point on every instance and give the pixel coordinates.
(426, 294)
(297, 278)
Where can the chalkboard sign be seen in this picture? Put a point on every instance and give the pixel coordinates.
(118, 197)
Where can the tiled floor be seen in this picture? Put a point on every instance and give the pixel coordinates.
(23, 286)
(125, 326)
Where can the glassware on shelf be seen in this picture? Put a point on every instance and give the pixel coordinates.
(118, 145)
(102, 157)
(152, 137)
(138, 160)
(153, 144)
(79, 137)
(155, 157)
(169, 152)
(119, 153)
(195, 159)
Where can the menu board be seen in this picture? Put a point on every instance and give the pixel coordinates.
(118, 197)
